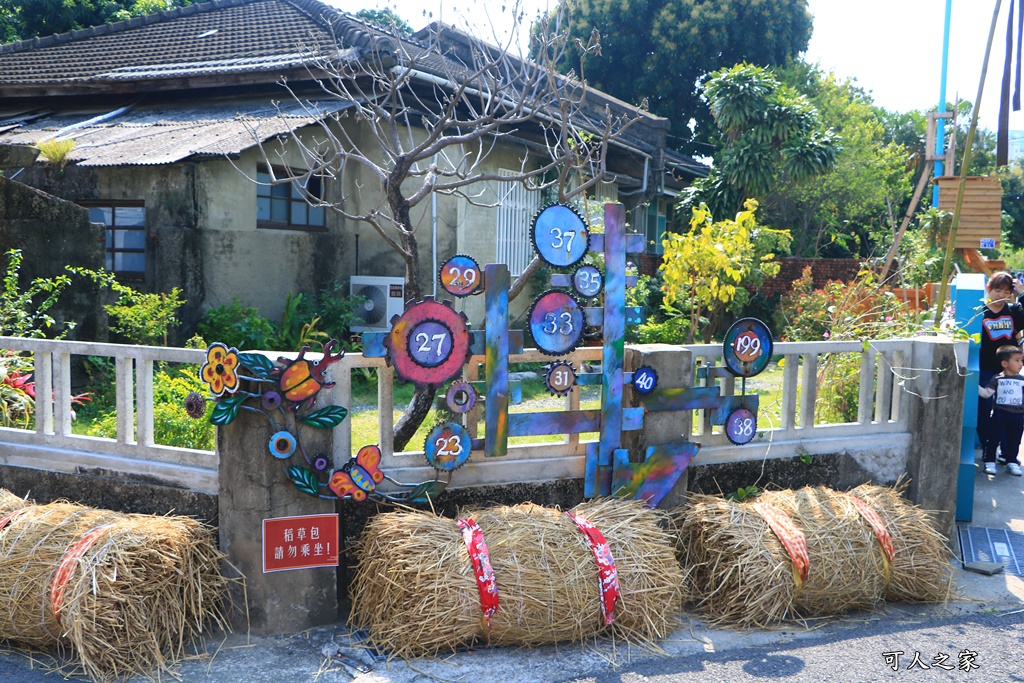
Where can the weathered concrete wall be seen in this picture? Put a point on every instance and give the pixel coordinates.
(173, 256)
(52, 233)
(254, 488)
(108, 493)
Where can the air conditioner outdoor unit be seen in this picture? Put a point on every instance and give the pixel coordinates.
(385, 298)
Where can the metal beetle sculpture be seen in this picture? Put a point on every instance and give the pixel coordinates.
(302, 379)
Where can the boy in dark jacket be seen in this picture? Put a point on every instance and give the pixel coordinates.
(1008, 412)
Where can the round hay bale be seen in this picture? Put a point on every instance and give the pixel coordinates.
(122, 594)
(847, 569)
(31, 545)
(141, 592)
(416, 592)
(10, 502)
(920, 570)
(739, 573)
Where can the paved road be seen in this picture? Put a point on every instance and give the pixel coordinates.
(979, 645)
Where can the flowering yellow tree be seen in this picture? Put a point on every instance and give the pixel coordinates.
(709, 268)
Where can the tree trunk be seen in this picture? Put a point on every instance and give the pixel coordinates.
(417, 411)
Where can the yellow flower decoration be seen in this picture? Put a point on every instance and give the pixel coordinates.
(219, 370)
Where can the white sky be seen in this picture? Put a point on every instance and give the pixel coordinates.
(893, 48)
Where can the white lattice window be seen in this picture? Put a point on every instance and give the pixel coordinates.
(517, 206)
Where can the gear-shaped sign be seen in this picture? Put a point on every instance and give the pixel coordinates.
(447, 446)
(561, 378)
(556, 323)
(429, 343)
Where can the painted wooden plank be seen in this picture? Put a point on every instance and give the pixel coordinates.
(496, 360)
(614, 340)
(682, 398)
(654, 478)
(478, 342)
(568, 422)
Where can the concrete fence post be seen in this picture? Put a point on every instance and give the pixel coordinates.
(254, 487)
(934, 382)
(674, 366)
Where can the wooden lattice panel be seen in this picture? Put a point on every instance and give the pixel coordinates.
(981, 213)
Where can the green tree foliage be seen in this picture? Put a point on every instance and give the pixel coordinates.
(23, 311)
(660, 49)
(387, 19)
(771, 140)
(851, 209)
(141, 317)
(22, 19)
(708, 269)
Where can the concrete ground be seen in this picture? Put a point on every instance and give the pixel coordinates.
(984, 604)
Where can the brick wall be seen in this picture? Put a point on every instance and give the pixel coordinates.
(823, 269)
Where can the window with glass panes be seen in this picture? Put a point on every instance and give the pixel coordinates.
(125, 241)
(285, 205)
(655, 224)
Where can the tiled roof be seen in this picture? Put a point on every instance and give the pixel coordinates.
(165, 133)
(224, 35)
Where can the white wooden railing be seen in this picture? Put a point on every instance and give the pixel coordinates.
(787, 429)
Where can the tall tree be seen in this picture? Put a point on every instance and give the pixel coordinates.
(23, 19)
(424, 121)
(770, 138)
(662, 49)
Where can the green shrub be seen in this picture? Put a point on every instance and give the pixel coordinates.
(171, 425)
(238, 326)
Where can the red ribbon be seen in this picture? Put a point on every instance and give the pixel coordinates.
(9, 517)
(66, 566)
(608, 577)
(877, 526)
(481, 561)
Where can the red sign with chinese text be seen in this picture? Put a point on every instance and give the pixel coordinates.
(300, 542)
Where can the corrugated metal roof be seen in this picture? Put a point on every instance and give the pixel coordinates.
(164, 134)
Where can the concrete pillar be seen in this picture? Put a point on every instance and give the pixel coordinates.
(254, 487)
(935, 384)
(674, 366)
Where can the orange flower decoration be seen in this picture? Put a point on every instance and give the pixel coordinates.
(219, 370)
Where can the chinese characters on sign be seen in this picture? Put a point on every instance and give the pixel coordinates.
(300, 542)
(966, 660)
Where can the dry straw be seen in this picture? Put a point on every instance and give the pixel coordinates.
(131, 591)
(921, 569)
(741, 575)
(415, 590)
(10, 502)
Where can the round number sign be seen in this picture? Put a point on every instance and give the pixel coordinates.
(560, 235)
(748, 347)
(645, 379)
(429, 343)
(561, 378)
(460, 276)
(741, 426)
(447, 446)
(587, 281)
(556, 323)
(461, 397)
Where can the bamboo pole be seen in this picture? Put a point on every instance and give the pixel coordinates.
(964, 166)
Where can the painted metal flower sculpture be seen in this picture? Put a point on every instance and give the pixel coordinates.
(219, 370)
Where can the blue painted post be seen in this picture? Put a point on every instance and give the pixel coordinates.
(968, 295)
(614, 342)
(940, 129)
(496, 359)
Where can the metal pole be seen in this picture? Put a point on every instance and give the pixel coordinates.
(940, 128)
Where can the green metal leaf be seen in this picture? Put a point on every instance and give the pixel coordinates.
(325, 418)
(256, 363)
(304, 480)
(226, 409)
(425, 491)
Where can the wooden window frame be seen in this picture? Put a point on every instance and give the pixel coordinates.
(265, 192)
(112, 230)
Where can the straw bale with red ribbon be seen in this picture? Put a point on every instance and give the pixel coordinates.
(921, 568)
(119, 595)
(416, 589)
(807, 553)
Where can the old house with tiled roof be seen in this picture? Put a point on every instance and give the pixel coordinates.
(177, 116)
